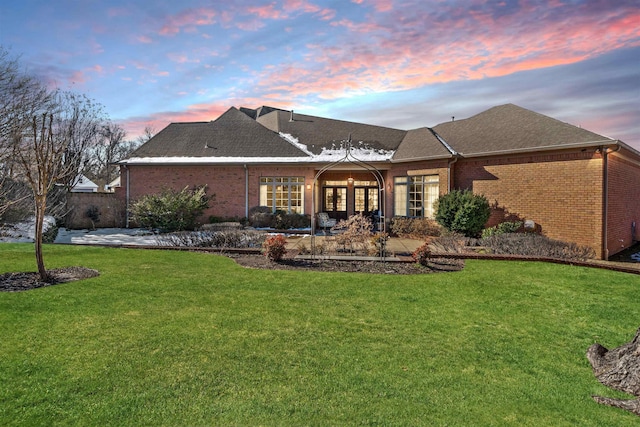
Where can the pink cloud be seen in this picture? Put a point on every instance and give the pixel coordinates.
(266, 12)
(188, 19)
(406, 52)
(144, 39)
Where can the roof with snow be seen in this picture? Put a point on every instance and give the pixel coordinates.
(272, 135)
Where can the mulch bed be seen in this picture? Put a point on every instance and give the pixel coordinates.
(16, 282)
(375, 267)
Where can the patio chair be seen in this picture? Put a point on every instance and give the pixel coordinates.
(325, 222)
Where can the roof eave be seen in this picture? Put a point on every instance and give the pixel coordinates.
(591, 144)
(418, 159)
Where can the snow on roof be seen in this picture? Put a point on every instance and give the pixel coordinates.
(359, 151)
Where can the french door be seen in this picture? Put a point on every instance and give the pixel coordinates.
(334, 202)
(366, 200)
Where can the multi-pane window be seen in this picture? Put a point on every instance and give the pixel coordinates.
(415, 196)
(366, 199)
(283, 193)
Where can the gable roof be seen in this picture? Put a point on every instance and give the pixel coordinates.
(509, 128)
(420, 144)
(233, 134)
(271, 135)
(319, 133)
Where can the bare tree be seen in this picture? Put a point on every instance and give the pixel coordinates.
(149, 132)
(53, 151)
(111, 147)
(21, 96)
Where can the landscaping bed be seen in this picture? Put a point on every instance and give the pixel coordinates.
(377, 267)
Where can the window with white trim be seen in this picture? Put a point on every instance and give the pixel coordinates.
(415, 196)
(283, 193)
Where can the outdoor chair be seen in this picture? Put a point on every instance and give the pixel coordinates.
(325, 222)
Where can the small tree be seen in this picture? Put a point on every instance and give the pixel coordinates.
(463, 212)
(171, 210)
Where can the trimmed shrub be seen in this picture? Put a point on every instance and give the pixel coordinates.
(274, 247)
(223, 239)
(416, 228)
(422, 254)
(536, 245)
(282, 220)
(171, 210)
(502, 228)
(260, 217)
(461, 211)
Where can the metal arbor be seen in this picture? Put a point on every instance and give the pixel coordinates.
(350, 159)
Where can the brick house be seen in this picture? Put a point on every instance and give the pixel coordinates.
(576, 185)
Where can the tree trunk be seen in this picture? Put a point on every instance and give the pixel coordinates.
(40, 205)
(619, 369)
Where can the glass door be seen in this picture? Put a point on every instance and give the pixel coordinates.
(334, 202)
(366, 200)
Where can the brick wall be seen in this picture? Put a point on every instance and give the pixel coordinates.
(561, 192)
(226, 185)
(110, 207)
(624, 200)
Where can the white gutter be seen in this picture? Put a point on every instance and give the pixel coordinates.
(546, 148)
(246, 191)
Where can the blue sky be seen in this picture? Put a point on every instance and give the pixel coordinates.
(402, 64)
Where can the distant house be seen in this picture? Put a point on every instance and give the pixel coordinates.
(82, 184)
(111, 187)
(576, 185)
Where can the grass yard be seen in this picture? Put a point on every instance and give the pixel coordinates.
(173, 338)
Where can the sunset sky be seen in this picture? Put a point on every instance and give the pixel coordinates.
(397, 63)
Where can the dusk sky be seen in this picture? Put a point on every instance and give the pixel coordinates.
(403, 64)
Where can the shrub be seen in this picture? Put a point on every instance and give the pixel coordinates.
(260, 216)
(274, 247)
(49, 236)
(422, 254)
(379, 244)
(417, 228)
(356, 232)
(536, 245)
(171, 210)
(282, 220)
(263, 217)
(93, 213)
(222, 239)
(450, 243)
(502, 228)
(461, 211)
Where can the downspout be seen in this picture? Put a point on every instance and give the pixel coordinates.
(605, 198)
(127, 195)
(246, 191)
(449, 174)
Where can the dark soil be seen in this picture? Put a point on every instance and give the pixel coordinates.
(16, 282)
(377, 267)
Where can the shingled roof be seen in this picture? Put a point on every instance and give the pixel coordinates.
(318, 133)
(420, 144)
(233, 134)
(271, 135)
(509, 128)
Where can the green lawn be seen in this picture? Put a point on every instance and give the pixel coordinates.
(173, 338)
